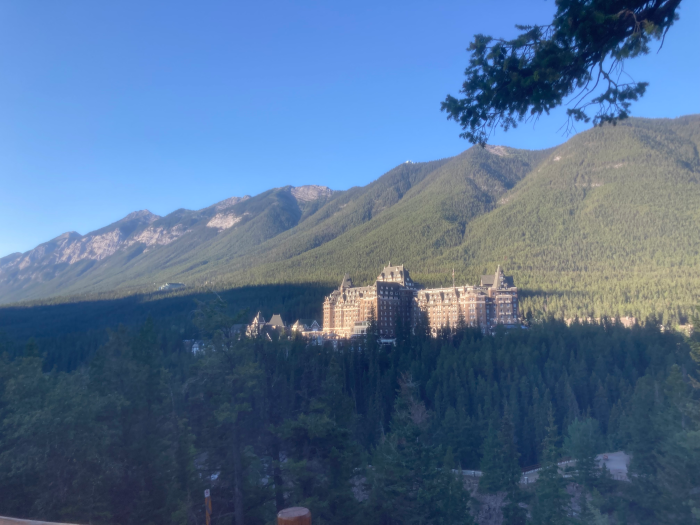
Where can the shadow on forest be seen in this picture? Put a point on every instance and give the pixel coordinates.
(293, 301)
(68, 334)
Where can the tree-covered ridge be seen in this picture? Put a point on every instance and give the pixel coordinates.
(358, 433)
(415, 230)
(604, 224)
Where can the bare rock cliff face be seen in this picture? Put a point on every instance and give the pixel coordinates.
(311, 193)
(224, 221)
(157, 235)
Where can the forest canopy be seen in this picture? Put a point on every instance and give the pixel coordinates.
(360, 432)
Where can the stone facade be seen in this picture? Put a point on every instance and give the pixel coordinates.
(395, 298)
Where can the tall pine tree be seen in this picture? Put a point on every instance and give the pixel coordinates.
(410, 481)
(552, 502)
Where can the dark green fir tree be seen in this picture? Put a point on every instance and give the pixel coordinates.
(551, 503)
(411, 481)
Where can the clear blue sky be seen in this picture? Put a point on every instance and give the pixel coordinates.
(111, 107)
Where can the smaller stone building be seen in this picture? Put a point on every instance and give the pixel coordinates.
(259, 326)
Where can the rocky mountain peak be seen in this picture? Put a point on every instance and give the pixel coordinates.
(68, 235)
(144, 215)
(227, 203)
(311, 192)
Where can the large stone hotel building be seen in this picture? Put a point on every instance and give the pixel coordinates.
(347, 310)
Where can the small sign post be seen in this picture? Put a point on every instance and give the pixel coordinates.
(207, 505)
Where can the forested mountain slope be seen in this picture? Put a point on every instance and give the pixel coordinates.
(604, 224)
(415, 231)
(608, 224)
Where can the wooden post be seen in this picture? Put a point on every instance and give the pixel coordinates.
(207, 506)
(294, 516)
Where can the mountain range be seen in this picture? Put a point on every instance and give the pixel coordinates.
(605, 224)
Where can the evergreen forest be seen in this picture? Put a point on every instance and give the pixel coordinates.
(135, 430)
